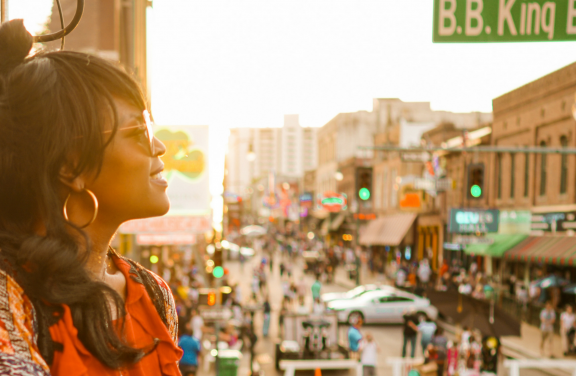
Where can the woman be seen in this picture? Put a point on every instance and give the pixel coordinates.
(77, 159)
(567, 319)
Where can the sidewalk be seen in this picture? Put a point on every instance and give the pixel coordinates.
(527, 346)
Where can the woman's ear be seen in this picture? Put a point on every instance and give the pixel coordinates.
(70, 179)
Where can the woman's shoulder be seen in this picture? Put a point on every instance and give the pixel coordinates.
(158, 291)
(19, 354)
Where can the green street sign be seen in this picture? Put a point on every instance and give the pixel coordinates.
(364, 194)
(472, 21)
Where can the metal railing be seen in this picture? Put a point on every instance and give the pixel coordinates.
(516, 364)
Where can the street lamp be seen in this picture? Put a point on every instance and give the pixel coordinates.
(251, 157)
(339, 176)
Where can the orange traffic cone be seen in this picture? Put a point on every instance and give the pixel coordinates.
(317, 372)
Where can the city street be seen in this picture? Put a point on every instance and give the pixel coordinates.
(388, 337)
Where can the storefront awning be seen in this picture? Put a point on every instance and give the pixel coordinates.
(501, 244)
(337, 222)
(560, 250)
(387, 230)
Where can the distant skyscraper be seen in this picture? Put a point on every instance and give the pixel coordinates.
(287, 152)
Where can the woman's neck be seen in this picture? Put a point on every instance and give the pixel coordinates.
(100, 242)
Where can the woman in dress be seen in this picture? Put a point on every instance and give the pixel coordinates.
(77, 159)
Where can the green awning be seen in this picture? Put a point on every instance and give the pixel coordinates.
(502, 243)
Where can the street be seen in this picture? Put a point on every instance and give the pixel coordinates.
(388, 337)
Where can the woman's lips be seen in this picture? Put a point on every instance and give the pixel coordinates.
(158, 179)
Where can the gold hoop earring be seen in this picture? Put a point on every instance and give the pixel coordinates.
(93, 196)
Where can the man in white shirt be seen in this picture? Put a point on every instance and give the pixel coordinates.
(197, 323)
(369, 357)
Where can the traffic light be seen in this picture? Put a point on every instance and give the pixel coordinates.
(476, 181)
(211, 298)
(364, 183)
(217, 256)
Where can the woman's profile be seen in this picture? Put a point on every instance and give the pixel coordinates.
(77, 159)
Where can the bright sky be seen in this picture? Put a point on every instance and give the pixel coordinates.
(247, 63)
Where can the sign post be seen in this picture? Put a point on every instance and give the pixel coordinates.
(481, 21)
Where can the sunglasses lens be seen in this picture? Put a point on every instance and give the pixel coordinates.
(150, 130)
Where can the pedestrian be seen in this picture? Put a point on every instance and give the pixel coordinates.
(410, 331)
(282, 268)
(302, 288)
(354, 338)
(567, 319)
(427, 328)
(255, 287)
(197, 324)
(424, 273)
(191, 348)
(77, 159)
(267, 311)
(440, 343)
(547, 319)
(316, 287)
(286, 290)
(271, 262)
(369, 355)
(401, 276)
(452, 358)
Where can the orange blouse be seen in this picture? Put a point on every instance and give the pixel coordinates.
(142, 326)
(19, 354)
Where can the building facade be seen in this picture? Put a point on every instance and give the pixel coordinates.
(112, 29)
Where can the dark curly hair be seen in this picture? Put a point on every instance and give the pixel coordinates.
(53, 108)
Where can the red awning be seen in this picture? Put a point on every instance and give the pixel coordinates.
(559, 250)
(387, 230)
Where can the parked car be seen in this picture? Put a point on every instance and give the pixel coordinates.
(354, 293)
(382, 306)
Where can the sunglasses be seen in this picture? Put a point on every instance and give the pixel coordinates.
(146, 127)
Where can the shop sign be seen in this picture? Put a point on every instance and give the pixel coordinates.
(333, 202)
(453, 246)
(162, 239)
(514, 222)
(467, 239)
(553, 222)
(192, 224)
(306, 200)
(470, 221)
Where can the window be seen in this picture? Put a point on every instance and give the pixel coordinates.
(512, 174)
(394, 299)
(499, 182)
(385, 189)
(526, 173)
(563, 167)
(393, 192)
(542, 171)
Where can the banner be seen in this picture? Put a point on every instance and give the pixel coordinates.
(186, 170)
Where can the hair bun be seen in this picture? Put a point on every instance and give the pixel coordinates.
(15, 45)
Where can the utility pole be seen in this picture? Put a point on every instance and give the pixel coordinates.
(3, 10)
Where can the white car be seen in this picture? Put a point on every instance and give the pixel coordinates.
(382, 306)
(354, 293)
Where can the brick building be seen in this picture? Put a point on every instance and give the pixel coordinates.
(538, 114)
(112, 29)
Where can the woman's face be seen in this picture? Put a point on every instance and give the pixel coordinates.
(130, 184)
